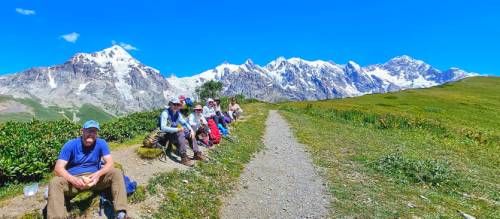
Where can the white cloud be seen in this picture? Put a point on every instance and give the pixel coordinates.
(71, 37)
(124, 45)
(25, 11)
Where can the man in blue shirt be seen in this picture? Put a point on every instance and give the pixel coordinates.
(78, 168)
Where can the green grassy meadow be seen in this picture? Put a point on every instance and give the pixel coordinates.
(428, 152)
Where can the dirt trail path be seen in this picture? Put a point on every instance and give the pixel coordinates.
(137, 169)
(280, 182)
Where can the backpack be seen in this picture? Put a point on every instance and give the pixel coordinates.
(130, 185)
(214, 132)
(189, 102)
(222, 129)
(151, 140)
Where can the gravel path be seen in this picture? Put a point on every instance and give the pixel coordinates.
(280, 182)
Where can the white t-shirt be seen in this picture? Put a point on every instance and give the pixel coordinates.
(196, 121)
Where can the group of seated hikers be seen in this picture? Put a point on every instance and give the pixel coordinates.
(85, 163)
(202, 127)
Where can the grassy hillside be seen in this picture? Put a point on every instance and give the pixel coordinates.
(469, 103)
(35, 109)
(428, 152)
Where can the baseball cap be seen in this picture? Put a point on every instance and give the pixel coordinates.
(175, 100)
(91, 124)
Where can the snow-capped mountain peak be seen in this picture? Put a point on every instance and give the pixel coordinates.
(111, 79)
(114, 54)
(299, 79)
(405, 59)
(353, 65)
(115, 81)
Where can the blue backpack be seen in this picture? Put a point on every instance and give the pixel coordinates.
(130, 185)
(189, 102)
(222, 130)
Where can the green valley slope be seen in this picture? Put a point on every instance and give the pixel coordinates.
(27, 109)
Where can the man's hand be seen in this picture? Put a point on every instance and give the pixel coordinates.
(77, 182)
(94, 177)
(181, 129)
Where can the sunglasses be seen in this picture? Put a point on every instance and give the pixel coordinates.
(198, 110)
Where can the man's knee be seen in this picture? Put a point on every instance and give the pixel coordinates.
(114, 173)
(57, 184)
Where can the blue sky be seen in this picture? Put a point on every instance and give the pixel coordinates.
(189, 37)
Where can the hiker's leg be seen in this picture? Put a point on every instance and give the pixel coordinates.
(194, 144)
(181, 142)
(58, 187)
(216, 119)
(114, 178)
(223, 121)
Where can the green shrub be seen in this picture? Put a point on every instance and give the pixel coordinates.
(127, 127)
(408, 170)
(28, 150)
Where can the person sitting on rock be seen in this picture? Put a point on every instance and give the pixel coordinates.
(78, 168)
(179, 132)
(199, 124)
(234, 110)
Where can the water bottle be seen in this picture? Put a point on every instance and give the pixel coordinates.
(30, 190)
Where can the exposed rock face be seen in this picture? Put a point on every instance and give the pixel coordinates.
(297, 79)
(116, 82)
(110, 79)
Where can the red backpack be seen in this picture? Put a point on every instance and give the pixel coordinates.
(214, 132)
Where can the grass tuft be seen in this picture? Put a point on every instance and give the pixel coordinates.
(408, 170)
(149, 153)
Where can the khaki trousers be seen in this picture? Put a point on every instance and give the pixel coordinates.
(60, 188)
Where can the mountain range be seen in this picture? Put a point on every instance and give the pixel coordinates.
(116, 82)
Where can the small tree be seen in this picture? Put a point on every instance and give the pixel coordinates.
(209, 89)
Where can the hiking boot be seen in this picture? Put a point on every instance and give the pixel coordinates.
(199, 156)
(186, 161)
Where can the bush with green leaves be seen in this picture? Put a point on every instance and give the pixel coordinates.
(210, 89)
(28, 150)
(127, 127)
(408, 170)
